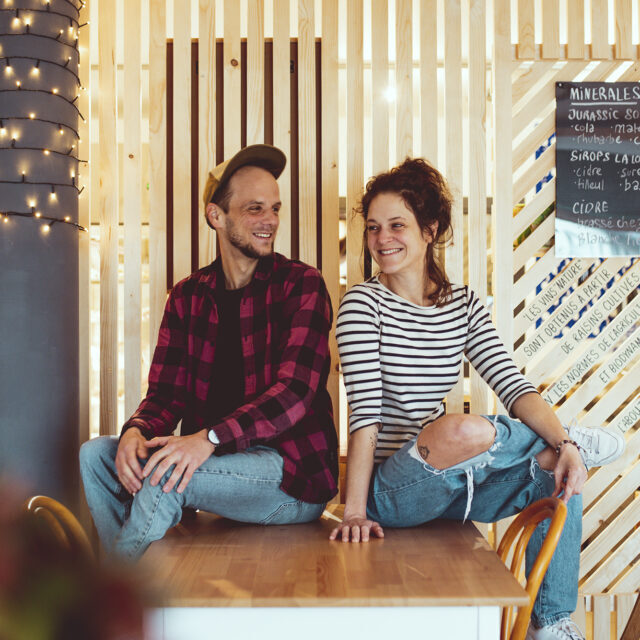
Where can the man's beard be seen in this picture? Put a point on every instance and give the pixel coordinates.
(245, 247)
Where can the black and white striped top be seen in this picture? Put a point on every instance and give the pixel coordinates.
(400, 359)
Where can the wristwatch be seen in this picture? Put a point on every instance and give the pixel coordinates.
(213, 438)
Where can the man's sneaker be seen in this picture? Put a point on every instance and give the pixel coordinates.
(598, 446)
(565, 629)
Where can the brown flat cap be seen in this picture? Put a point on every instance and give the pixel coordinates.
(257, 155)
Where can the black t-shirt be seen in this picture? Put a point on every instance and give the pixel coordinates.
(226, 393)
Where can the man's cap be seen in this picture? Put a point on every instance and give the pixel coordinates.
(257, 155)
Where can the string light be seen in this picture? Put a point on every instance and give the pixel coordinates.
(60, 126)
(67, 37)
(53, 91)
(51, 220)
(36, 67)
(46, 152)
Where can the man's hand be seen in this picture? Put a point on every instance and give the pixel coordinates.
(570, 473)
(356, 528)
(131, 447)
(186, 452)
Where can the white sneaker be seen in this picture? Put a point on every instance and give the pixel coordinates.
(598, 446)
(565, 629)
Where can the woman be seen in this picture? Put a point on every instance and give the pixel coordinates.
(402, 335)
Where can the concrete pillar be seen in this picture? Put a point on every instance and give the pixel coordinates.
(39, 246)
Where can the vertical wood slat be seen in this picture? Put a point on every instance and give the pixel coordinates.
(454, 167)
(477, 214)
(429, 80)
(355, 139)
(108, 216)
(255, 72)
(282, 114)
(330, 199)
(404, 80)
(502, 217)
(624, 48)
(83, 177)
(575, 29)
(600, 30)
(526, 49)
(551, 29)
(379, 85)
(232, 77)
(132, 204)
(624, 607)
(157, 165)
(181, 140)
(601, 617)
(206, 120)
(307, 131)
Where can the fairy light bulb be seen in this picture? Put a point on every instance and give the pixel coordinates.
(3, 130)
(54, 90)
(31, 202)
(8, 69)
(46, 152)
(46, 228)
(5, 219)
(18, 84)
(67, 218)
(38, 214)
(32, 115)
(36, 69)
(52, 195)
(60, 130)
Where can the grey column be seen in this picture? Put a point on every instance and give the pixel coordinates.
(39, 246)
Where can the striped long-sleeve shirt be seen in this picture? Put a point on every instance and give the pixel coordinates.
(400, 359)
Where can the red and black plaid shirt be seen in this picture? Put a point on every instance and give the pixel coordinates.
(285, 318)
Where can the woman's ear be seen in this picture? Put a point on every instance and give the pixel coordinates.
(431, 232)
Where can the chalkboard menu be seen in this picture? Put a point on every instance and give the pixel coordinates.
(597, 169)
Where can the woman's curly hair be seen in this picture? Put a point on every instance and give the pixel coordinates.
(425, 193)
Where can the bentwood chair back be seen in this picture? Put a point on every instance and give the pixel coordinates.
(519, 534)
(61, 523)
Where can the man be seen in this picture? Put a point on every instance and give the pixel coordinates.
(242, 359)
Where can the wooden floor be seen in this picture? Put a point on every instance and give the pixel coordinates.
(227, 564)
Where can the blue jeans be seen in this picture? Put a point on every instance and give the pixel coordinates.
(241, 486)
(406, 491)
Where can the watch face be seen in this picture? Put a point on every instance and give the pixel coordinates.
(213, 438)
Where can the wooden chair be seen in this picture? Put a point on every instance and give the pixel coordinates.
(61, 523)
(519, 532)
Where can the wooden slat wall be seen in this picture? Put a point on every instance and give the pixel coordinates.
(255, 72)
(355, 138)
(232, 79)
(307, 132)
(611, 506)
(206, 120)
(132, 204)
(181, 140)
(330, 163)
(83, 178)
(108, 216)
(477, 176)
(157, 165)
(429, 79)
(523, 74)
(404, 80)
(282, 114)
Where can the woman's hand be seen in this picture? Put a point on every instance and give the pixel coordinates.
(570, 472)
(357, 529)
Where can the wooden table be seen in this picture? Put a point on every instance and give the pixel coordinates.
(440, 580)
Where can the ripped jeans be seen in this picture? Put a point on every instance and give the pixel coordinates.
(406, 491)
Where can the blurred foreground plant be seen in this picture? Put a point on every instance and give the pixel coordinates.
(49, 593)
